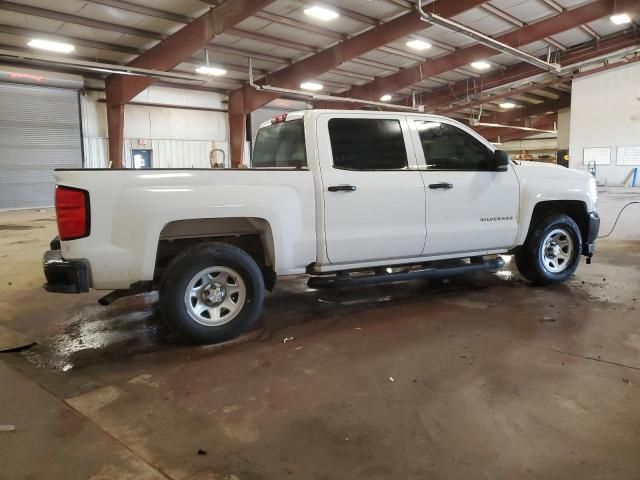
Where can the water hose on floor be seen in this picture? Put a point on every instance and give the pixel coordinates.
(617, 218)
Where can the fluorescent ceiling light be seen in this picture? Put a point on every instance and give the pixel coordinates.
(418, 44)
(621, 19)
(481, 65)
(215, 71)
(51, 46)
(507, 105)
(311, 86)
(385, 98)
(322, 13)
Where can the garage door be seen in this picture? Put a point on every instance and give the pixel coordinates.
(39, 131)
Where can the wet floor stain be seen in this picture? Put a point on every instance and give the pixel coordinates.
(133, 326)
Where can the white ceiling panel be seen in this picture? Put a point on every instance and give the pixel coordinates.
(484, 21)
(293, 34)
(190, 8)
(294, 9)
(527, 11)
(572, 37)
(66, 6)
(109, 14)
(130, 40)
(159, 25)
(568, 4)
(604, 26)
(28, 21)
(76, 30)
(364, 69)
(447, 37)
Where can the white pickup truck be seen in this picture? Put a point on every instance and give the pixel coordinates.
(346, 197)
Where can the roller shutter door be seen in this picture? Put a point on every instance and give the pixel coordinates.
(39, 131)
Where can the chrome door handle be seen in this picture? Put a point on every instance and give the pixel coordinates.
(342, 188)
(443, 185)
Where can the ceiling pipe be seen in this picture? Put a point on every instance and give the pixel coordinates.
(500, 125)
(99, 66)
(485, 40)
(328, 98)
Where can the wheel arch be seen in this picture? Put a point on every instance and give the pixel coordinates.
(252, 234)
(575, 209)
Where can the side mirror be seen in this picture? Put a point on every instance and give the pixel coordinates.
(500, 161)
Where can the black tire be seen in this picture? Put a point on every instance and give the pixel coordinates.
(183, 269)
(539, 269)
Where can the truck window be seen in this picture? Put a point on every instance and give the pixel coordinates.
(280, 145)
(367, 144)
(449, 148)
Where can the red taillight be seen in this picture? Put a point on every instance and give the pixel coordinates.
(72, 211)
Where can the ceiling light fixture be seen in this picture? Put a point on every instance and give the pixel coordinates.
(385, 98)
(313, 86)
(508, 105)
(214, 71)
(322, 13)
(481, 65)
(621, 19)
(51, 45)
(418, 44)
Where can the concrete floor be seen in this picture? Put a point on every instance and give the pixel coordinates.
(480, 377)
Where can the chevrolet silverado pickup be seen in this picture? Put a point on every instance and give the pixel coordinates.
(345, 197)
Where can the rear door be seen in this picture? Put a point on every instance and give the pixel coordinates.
(469, 207)
(374, 198)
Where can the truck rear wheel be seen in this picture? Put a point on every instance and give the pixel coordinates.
(211, 292)
(551, 252)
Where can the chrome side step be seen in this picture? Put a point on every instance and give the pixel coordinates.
(348, 279)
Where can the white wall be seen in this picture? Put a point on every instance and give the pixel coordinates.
(605, 112)
(179, 138)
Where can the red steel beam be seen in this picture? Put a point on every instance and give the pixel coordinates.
(311, 67)
(164, 56)
(443, 97)
(247, 99)
(522, 36)
(180, 46)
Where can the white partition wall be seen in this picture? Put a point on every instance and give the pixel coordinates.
(605, 117)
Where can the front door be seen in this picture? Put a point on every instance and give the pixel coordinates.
(470, 208)
(374, 198)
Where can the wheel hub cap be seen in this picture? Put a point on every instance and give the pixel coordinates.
(557, 250)
(553, 250)
(214, 294)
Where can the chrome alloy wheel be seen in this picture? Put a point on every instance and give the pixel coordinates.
(557, 250)
(215, 296)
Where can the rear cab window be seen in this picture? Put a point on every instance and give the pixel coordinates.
(280, 145)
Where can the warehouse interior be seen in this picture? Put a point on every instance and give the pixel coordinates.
(482, 376)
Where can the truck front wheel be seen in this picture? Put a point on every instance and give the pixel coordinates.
(551, 252)
(211, 292)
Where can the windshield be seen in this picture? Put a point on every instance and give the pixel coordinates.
(280, 145)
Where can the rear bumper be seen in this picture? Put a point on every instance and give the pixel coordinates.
(64, 276)
(593, 227)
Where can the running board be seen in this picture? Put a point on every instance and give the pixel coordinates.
(343, 279)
